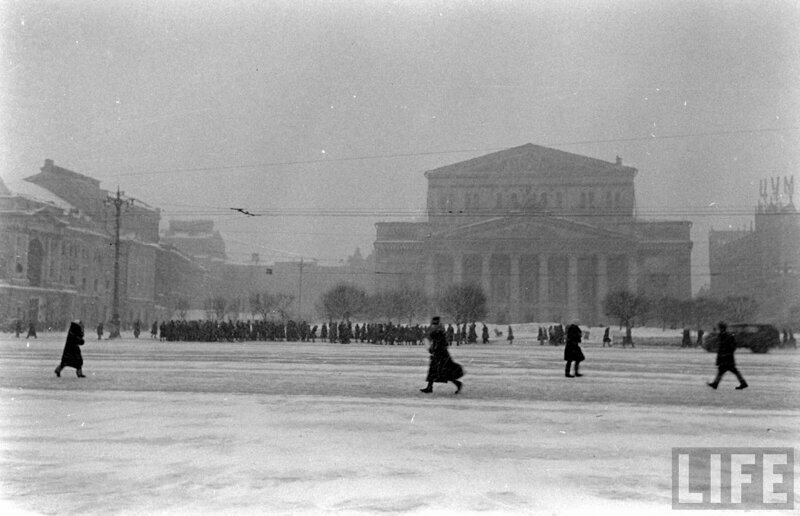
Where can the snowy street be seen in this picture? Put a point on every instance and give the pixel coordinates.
(264, 428)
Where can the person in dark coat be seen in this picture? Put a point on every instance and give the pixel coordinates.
(572, 350)
(32, 330)
(725, 361)
(607, 337)
(100, 331)
(71, 357)
(686, 341)
(442, 368)
(485, 334)
(510, 337)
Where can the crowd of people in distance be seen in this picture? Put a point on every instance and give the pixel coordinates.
(343, 332)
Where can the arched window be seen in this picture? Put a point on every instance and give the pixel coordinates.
(35, 262)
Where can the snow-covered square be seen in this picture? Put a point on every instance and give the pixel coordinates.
(316, 428)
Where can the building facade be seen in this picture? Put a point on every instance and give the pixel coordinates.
(762, 263)
(57, 245)
(547, 235)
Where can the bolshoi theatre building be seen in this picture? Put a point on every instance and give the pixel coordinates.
(547, 234)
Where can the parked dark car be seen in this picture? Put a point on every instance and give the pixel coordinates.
(759, 338)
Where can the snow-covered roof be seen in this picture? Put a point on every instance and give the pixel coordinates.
(37, 193)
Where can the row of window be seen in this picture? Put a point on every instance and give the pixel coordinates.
(586, 200)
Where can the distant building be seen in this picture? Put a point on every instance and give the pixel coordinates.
(547, 235)
(58, 254)
(305, 281)
(762, 263)
(196, 238)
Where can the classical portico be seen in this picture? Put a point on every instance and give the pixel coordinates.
(546, 235)
(533, 268)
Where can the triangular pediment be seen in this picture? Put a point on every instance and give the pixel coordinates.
(526, 159)
(534, 228)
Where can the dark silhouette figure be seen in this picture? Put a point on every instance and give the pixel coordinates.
(607, 337)
(71, 357)
(137, 328)
(510, 335)
(442, 368)
(725, 360)
(32, 330)
(700, 334)
(686, 341)
(100, 331)
(485, 334)
(572, 351)
(18, 327)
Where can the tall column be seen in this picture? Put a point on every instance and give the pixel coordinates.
(544, 289)
(486, 278)
(633, 273)
(430, 280)
(458, 268)
(602, 286)
(572, 288)
(514, 280)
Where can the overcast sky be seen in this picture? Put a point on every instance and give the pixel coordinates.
(328, 113)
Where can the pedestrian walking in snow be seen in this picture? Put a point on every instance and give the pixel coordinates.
(725, 360)
(572, 350)
(71, 357)
(442, 368)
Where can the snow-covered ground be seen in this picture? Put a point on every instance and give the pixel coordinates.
(265, 428)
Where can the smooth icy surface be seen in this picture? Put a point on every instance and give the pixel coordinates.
(263, 428)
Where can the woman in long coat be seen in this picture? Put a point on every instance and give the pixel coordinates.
(572, 351)
(72, 351)
(442, 369)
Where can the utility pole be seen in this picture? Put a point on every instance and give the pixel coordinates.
(300, 289)
(118, 203)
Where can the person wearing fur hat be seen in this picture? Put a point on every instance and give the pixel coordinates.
(71, 357)
(442, 368)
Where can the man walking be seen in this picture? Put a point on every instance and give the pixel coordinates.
(725, 361)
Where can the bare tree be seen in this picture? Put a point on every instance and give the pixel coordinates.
(404, 303)
(667, 310)
(626, 307)
(379, 306)
(215, 307)
(233, 309)
(740, 308)
(280, 304)
(464, 303)
(342, 302)
(182, 306)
